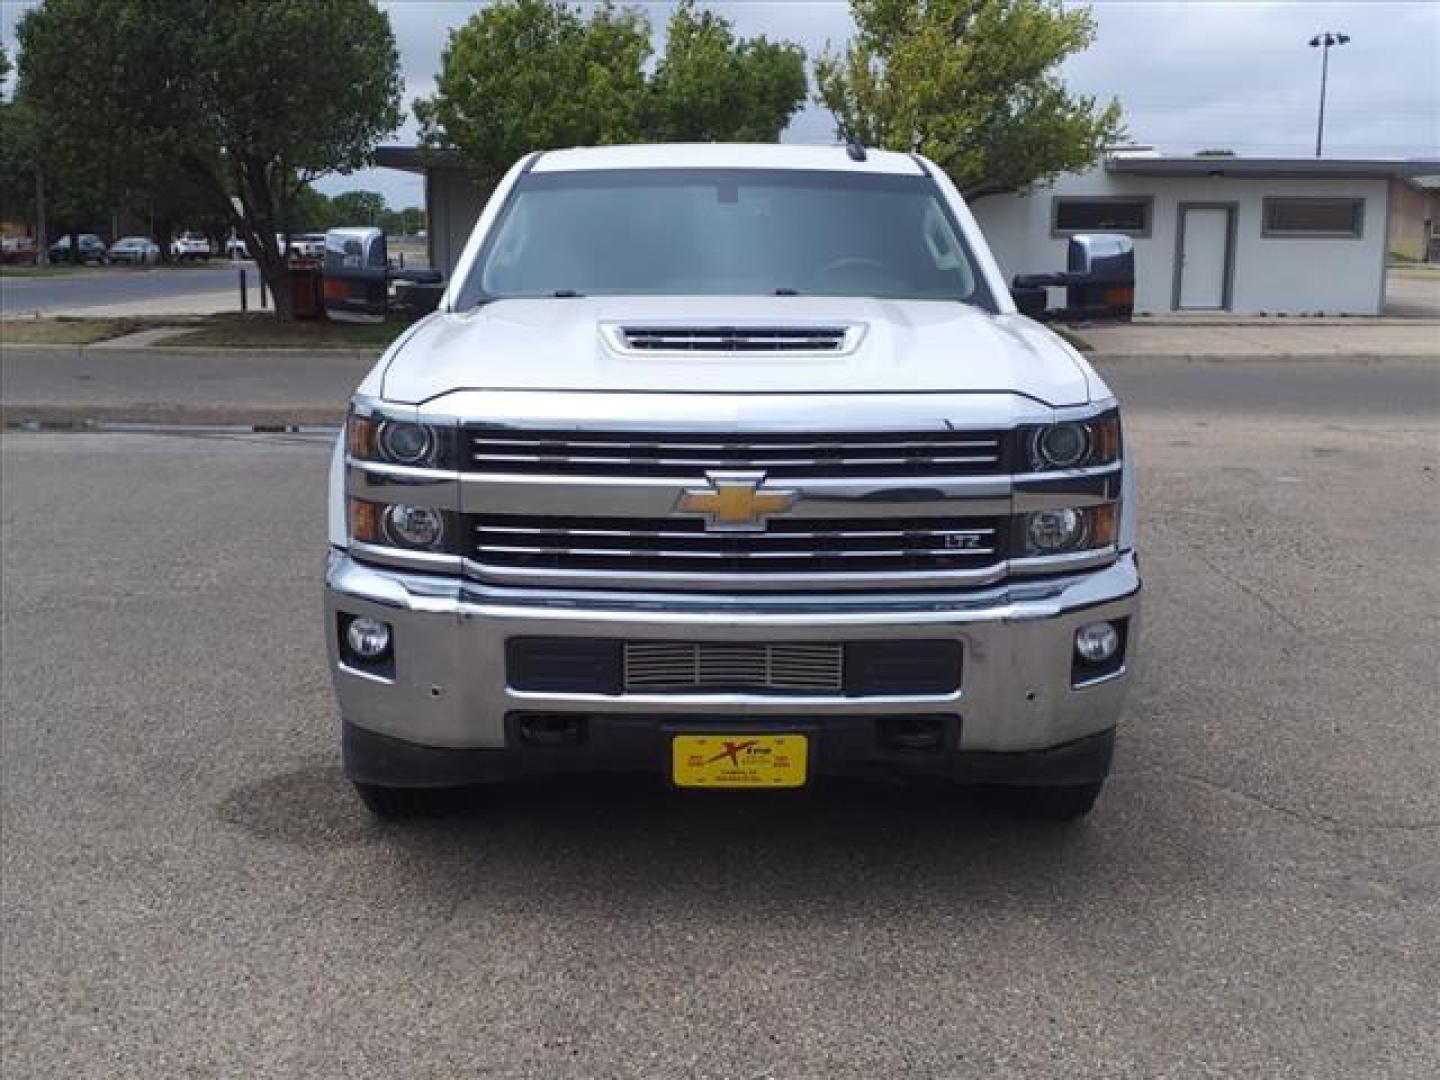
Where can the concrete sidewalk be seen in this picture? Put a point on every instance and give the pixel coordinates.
(1319, 339)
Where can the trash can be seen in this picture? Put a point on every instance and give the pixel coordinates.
(306, 296)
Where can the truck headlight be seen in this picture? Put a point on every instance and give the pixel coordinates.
(398, 442)
(405, 443)
(413, 528)
(1073, 444)
(1054, 532)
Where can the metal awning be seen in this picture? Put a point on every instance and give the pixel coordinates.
(1146, 165)
(417, 159)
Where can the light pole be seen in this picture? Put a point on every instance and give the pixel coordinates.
(1323, 42)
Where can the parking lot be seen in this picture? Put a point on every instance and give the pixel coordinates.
(190, 888)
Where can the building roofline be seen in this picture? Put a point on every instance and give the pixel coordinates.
(1269, 167)
(416, 159)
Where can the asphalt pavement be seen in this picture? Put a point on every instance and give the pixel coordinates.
(190, 888)
(171, 384)
(70, 385)
(114, 290)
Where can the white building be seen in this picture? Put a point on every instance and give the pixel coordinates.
(1247, 235)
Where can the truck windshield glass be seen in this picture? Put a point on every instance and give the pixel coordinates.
(725, 232)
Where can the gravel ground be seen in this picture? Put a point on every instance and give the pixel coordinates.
(190, 889)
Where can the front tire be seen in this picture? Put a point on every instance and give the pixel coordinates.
(405, 803)
(1067, 802)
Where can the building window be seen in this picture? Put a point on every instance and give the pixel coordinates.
(1313, 217)
(1129, 215)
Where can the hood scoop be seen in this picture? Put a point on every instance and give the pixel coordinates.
(833, 339)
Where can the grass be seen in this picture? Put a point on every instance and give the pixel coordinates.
(253, 331)
(1417, 271)
(261, 331)
(1073, 338)
(38, 271)
(63, 331)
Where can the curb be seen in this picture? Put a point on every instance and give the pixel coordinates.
(180, 351)
(1259, 358)
(83, 417)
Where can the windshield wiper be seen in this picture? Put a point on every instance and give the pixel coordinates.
(567, 294)
(787, 292)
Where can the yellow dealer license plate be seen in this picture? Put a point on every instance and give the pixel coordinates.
(739, 761)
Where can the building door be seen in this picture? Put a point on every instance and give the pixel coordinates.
(1203, 257)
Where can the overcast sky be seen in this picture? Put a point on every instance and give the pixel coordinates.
(1189, 74)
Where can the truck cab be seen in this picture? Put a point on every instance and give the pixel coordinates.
(736, 466)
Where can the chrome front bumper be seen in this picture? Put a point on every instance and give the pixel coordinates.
(449, 681)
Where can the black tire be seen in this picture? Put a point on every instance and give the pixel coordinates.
(1068, 802)
(402, 803)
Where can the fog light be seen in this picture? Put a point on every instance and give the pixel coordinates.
(1097, 642)
(368, 638)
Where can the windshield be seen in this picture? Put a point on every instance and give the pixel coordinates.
(725, 232)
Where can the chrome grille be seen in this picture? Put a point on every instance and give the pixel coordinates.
(780, 456)
(787, 546)
(679, 665)
(731, 339)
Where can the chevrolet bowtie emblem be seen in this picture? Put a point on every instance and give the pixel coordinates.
(734, 502)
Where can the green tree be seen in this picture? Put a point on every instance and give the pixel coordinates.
(359, 208)
(524, 75)
(312, 211)
(527, 75)
(249, 99)
(17, 174)
(972, 85)
(711, 87)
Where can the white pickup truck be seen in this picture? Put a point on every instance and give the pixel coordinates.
(190, 246)
(737, 466)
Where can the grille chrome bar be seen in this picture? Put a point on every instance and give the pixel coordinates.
(501, 542)
(898, 454)
(864, 534)
(667, 665)
(649, 553)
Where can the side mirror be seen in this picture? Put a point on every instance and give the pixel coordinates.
(1099, 281)
(1100, 277)
(1031, 300)
(357, 287)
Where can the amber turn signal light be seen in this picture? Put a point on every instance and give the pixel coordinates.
(360, 437)
(364, 521)
(1102, 525)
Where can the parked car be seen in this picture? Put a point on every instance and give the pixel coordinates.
(18, 249)
(737, 466)
(190, 246)
(135, 250)
(92, 249)
(235, 248)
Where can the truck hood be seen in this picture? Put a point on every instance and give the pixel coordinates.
(895, 346)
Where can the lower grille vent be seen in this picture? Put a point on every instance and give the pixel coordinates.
(794, 667)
